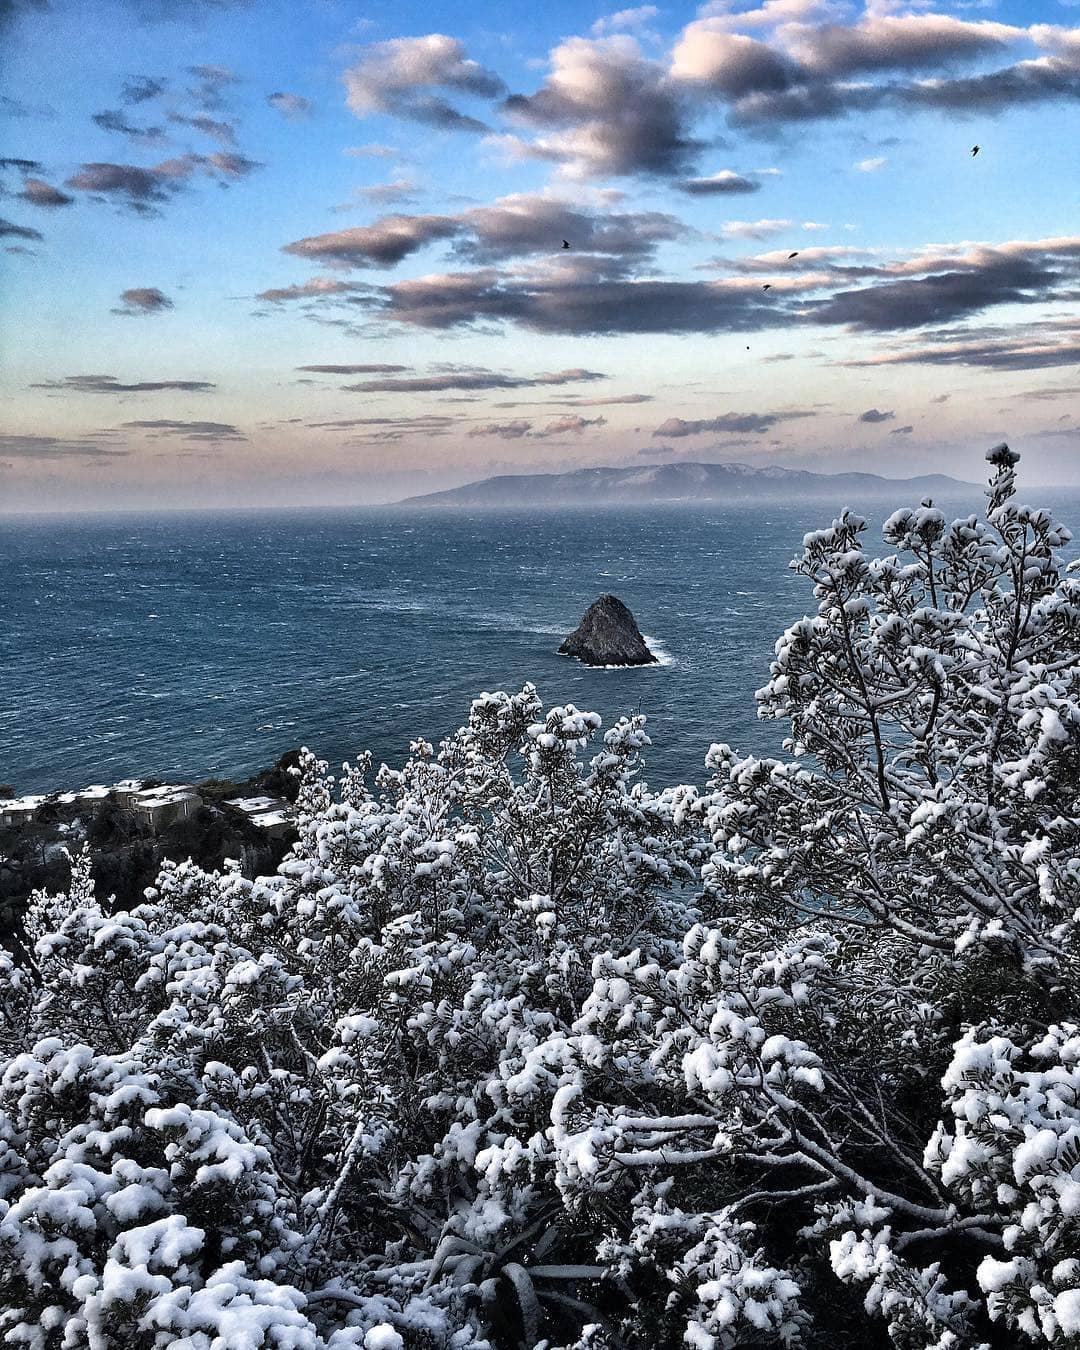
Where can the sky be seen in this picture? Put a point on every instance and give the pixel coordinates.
(303, 252)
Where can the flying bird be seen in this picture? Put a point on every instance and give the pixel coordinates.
(767, 286)
(793, 255)
(974, 151)
(566, 243)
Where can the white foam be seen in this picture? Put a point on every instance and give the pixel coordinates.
(663, 656)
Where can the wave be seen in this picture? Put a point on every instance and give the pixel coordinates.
(663, 656)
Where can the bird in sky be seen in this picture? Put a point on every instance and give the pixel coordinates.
(566, 243)
(974, 151)
(793, 255)
(767, 286)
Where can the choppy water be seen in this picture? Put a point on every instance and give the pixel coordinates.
(189, 646)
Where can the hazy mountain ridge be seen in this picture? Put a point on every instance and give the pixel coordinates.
(678, 482)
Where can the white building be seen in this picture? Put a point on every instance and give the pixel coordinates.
(19, 810)
(269, 814)
(163, 806)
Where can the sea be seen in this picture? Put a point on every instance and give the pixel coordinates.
(188, 646)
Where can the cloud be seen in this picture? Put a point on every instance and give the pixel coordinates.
(316, 288)
(39, 193)
(366, 369)
(213, 80)
(55, 447)
(292, 106)
(871, 165)
(222, 132)
(109, 384)
(388, 430)
(572, 305)
(526, 223)
(711, 57)
(383, 244)
(143, 300)
(506, 431)
(22, 165)
(874, 415)
(1035, 347)
(805, 70)
(427, 421)
(894, 42)
(939, 296)
(145, 190)
(901, 431)
(142, 88)
(623, 19)
(473, 380)
(718, 184)
(399, 190)
(141, 190)
(231, 165)
(754, 424)
(1044, 80)
(112, 120)
(211, 432)
(570, 425)
(600, 402)
(754, 229)
(1049, 393)
(9, 230)
(395, 77)
(13, 107)
(373, 150)
(589, 293)
(604, 110)
(513, 226)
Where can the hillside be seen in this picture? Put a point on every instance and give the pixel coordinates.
(682, 483)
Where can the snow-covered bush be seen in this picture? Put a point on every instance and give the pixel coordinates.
(928, 823)
(512, 1051)
(318, 1105)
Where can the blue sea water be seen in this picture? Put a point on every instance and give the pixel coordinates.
(188, 646)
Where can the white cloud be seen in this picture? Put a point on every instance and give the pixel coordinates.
(753, 229)
(623, 19)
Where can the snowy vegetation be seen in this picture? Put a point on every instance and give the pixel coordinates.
(513, 1051)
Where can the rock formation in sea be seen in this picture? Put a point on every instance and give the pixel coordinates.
(608, 636)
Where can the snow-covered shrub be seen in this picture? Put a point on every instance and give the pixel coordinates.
(904, 886)
(928, 822)
(319, 1105)
(512, 1051)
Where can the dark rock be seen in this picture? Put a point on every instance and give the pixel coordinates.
(608, 636)
(283, 780)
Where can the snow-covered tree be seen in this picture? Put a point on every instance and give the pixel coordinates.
(905, 883)
(317, 1104)
(513, 1051)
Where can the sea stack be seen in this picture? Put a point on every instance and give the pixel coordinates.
(608, 636)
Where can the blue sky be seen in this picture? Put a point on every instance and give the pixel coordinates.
(202, 201)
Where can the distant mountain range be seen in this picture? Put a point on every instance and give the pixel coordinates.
(687, 483)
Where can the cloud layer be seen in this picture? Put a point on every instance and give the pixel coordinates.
(109, 384)
(520, 280)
